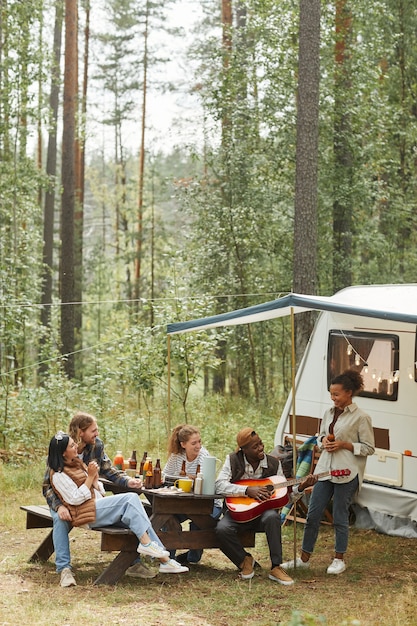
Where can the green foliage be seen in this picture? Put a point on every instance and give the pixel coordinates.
(217, 223)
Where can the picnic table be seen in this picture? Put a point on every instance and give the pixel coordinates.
(162, 506)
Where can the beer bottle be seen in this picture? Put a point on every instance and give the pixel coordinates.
(183, 472)
(198, 470)
(148, 474)
(142, 465)
(132, 461)
(157, 478)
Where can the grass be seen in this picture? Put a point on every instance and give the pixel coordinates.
(377, 587)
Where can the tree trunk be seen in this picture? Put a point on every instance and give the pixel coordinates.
(51, 157)
(343, 202)
(79, 186)
(68, 187)
(305, 213)
(139, 240)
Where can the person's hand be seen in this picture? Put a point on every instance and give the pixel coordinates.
(331, 446)
(64, 514)
(92, 469)
(134, 483)
(308, 481)
(258, 493)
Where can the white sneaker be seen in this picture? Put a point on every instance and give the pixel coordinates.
(337, 567)
(67, 578)
(298, 563)
(153, 549)
(172, 567)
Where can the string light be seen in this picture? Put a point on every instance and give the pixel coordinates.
(350, 350)
(392, 377)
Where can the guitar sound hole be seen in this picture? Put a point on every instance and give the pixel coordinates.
(270, 488)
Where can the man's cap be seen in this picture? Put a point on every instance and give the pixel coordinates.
(244, 437)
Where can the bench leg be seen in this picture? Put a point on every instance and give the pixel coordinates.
(113, 573)
(45, 550)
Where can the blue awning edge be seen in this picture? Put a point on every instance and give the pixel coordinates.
(299, 303)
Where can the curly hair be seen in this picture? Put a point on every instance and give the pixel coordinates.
(350, 380)
(80, 421)
(181, 433)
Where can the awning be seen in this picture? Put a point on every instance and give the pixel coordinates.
(378, 301)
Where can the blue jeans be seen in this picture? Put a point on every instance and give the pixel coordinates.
(323, 492)
(60, 540)
(112, 510)
(125, 509)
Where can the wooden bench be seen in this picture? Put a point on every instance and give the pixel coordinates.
(123, 541)
(112, 538)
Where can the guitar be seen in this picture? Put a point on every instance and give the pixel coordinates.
(244, 509)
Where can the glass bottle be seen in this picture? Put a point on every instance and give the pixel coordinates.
(145, 467)
(133, 461)
(118, 460)
(157, 477)
(148, 474)
(142, 463)
(183, 472)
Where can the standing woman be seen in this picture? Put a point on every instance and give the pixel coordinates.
(346, 439)
(185, 448)
(78, 487)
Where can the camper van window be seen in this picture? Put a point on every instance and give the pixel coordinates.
(375, 356)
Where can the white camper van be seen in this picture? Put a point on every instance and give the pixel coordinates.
(385, 352)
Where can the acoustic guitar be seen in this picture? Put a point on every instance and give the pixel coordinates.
(244, 509)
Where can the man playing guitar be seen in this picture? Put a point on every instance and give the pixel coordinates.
(251, 462)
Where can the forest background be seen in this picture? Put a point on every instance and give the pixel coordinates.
(291, 167)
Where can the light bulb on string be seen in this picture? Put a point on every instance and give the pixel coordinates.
(349, 349)
(357, 359)
(366, 368)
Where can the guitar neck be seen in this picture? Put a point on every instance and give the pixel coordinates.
(297, 481)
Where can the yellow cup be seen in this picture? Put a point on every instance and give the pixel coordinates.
(185, 484)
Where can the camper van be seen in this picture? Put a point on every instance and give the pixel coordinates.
(384, 351)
